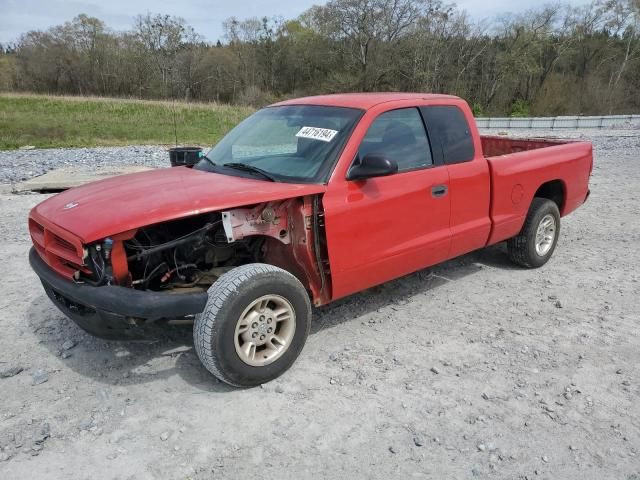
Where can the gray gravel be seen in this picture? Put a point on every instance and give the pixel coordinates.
(19, 165)
(525, 389)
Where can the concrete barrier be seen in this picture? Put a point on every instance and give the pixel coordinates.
(551, 123)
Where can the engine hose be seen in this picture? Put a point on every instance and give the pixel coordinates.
(193, 236)
(145, 281)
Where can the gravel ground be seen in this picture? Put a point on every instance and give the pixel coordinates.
(19, 165)
(471, 369)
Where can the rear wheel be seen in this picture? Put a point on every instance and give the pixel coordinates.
(254, 325)
(537, 240)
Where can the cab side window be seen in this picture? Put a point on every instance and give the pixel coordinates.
(449, 132)
(399, 135)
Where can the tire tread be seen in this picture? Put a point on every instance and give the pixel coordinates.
(518, 246)
(206, 324)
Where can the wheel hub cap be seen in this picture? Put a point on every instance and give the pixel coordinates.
(265, 330)
(545, 234)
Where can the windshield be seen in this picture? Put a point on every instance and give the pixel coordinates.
(298, 143)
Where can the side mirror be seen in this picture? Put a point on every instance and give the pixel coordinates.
(370, 166)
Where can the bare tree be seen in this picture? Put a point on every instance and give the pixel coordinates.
(368, 23)
(162, 37)
(553, 59)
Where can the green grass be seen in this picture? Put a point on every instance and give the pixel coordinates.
(49, 121)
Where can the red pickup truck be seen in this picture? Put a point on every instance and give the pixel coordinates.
(304, 202)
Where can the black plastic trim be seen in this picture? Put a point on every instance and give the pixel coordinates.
(120, 300)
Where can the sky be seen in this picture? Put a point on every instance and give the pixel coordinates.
(19, 16)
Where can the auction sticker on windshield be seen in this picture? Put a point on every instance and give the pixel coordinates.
(315, 133)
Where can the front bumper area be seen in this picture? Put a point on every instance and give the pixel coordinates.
(106, 311)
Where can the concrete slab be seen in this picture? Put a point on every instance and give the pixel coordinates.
(67, 177)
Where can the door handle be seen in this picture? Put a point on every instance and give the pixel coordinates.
(438, 191)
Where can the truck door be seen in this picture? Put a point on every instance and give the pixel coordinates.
(469, 178)
(385, 227)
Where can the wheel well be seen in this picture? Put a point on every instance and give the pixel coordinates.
(554, 191)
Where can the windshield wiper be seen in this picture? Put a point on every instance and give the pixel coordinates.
(250, 168)
(209, 160)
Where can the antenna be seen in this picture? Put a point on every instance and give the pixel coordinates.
(175, 123)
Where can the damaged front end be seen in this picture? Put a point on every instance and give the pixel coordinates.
(161, 272)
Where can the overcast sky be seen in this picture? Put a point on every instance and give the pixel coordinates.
(19, 16)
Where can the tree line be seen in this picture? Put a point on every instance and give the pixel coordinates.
(551, 60)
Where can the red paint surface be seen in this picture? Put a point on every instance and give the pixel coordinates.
(568, 162)
(366, 101)
(60, 249)
(126, 202)
(378, 229)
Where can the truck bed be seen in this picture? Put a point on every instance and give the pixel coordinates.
(519, 166)
(494, 146)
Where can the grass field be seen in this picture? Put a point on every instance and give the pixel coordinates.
(49, 121)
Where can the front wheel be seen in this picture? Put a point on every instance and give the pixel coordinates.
(254, 325)
(537, 240)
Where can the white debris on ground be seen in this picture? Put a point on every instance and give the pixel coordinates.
(471, 369)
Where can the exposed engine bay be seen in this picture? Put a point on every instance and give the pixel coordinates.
(191, 253)
(186, 254)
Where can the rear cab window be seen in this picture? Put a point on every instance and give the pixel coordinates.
(398, 135)
(450, 135)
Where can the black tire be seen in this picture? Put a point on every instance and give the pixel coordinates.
(215, 328)
(522, 247)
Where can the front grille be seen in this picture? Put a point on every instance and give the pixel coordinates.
(64, 255)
